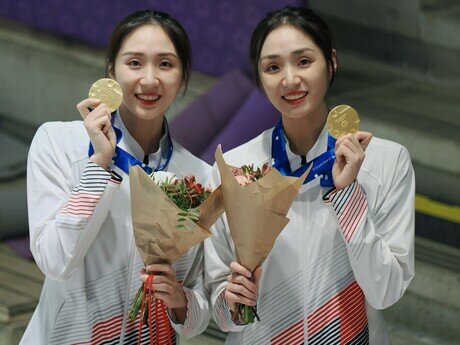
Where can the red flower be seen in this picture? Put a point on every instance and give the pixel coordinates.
(198, 188)
(189, 182)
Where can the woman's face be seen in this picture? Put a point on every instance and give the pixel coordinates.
(149, 72)
(293, 72)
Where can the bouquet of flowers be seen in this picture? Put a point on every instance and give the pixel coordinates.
(169, 215)
(185, 193)
(256, 202)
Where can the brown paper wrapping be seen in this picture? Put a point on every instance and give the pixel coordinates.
(256, 213)
(155, 218)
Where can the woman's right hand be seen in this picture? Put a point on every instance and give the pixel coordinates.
(240, 287)
(99, 127)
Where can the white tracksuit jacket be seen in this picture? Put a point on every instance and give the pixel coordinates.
(82, 239)
(342, 257)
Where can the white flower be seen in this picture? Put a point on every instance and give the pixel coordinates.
(161, 176)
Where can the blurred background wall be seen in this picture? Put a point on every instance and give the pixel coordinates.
(398, 66)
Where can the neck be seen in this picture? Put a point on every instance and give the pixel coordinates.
(302, 133)
(147, 133)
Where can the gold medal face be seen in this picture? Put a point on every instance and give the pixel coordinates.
(108, 91)
(341, 120)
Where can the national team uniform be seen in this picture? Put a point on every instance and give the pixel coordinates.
(342, 257)
(82, 239)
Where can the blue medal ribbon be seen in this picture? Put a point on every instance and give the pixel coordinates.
(322, 165)
(124, 160)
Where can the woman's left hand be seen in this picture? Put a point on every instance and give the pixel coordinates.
(349, 153)
(165, 285)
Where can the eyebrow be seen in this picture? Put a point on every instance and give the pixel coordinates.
(165, 54)
(295, 52)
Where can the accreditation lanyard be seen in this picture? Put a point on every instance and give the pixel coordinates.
(124, 160)
(322, 165)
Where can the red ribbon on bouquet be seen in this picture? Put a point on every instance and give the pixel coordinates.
(160, 308)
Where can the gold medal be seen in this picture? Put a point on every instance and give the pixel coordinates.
(341, 120)
(108, 91)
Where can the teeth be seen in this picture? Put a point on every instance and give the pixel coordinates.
(294, 97)
(148, 97)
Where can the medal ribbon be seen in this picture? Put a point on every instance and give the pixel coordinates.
(322, 165)
(161, 321)
(124, 160)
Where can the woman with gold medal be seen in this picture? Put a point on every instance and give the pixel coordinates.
(78, 195)
(348, 250)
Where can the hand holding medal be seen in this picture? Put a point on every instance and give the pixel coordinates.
(343, 124)
(105, 96)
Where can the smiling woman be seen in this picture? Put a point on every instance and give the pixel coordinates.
(347, 251)
(139, 72)
(290, 65)
(79, 206)
(150, 74)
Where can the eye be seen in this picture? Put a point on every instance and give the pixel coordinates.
(304, 62)
(165, 64)
(134, 63)
(272, 68)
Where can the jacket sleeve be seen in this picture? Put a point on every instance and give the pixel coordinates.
(218, 254)
(64, 219)
(197, 317)
(380, 244)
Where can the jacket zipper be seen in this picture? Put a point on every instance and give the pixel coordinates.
(304, 215)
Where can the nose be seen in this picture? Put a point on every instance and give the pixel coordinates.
(149, 77)
(290, 78)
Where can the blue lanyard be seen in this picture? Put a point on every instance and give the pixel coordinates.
(124, 160)
(322, 165)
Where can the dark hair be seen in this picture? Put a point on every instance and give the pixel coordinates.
(304, 19)
(171, 27)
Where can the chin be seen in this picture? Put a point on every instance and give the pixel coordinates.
(295, 113)
(149, 114)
